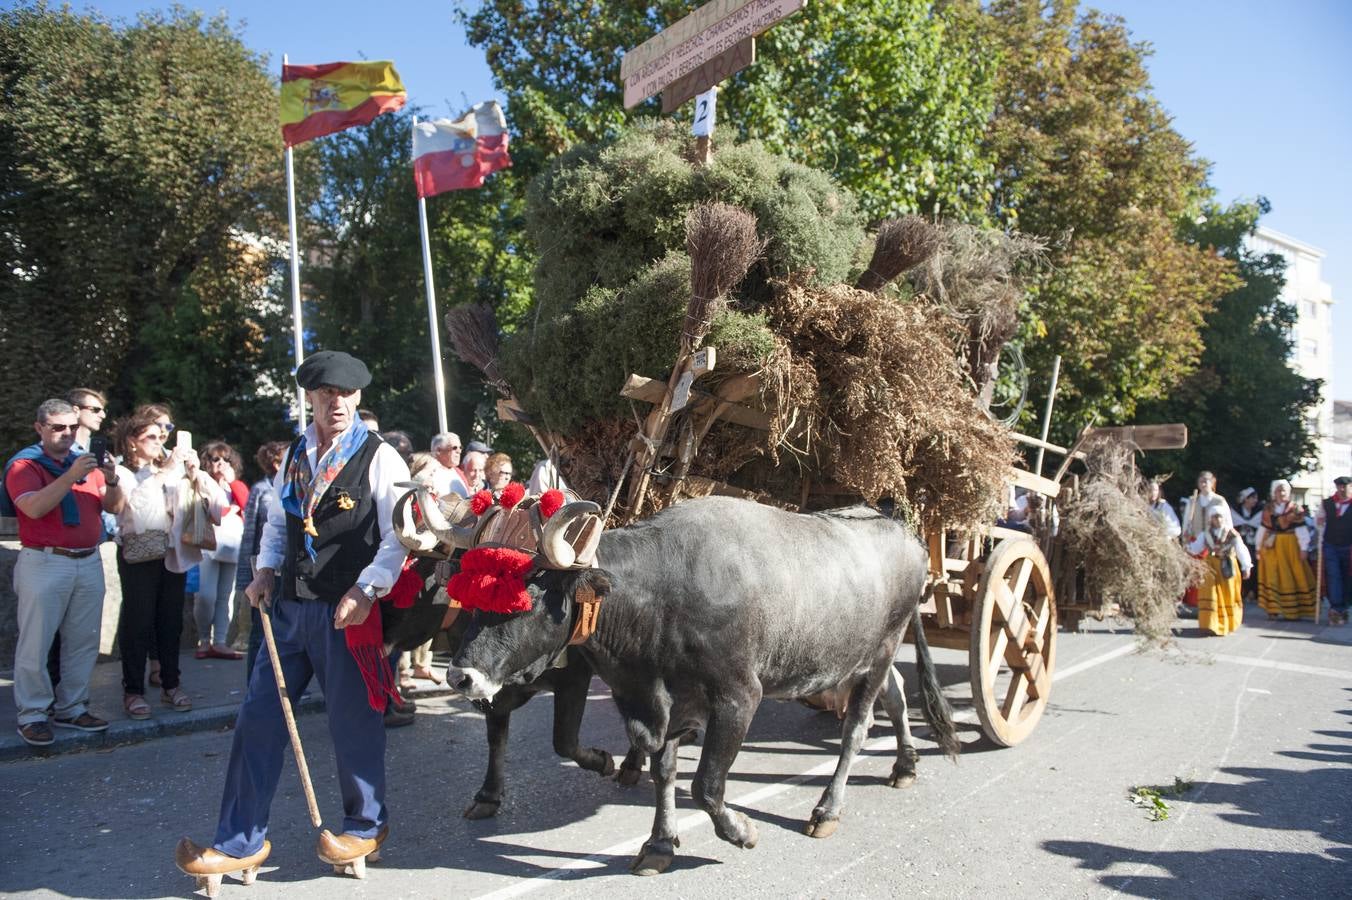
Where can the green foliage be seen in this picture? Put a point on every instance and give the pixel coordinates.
(1245, 406)
(134, 159)
(1086, 155)
(1151, 798)
(892, 96)
(612, 279)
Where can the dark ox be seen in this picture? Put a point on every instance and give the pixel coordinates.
(711, 606)
(410, 627)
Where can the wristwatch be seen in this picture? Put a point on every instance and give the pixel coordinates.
(369, 590)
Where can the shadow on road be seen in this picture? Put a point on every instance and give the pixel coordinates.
(1276, 800)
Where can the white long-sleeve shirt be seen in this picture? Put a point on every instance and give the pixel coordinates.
(387, 469)
(1241, 552)
(1167, 518)
(152, 505)
(1301, 532)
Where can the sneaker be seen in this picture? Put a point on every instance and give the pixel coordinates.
(83, 722)
(1337, 617)
(39, 734)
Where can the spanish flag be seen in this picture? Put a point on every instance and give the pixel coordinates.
(323, 99)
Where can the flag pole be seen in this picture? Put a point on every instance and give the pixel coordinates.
(437, 374)
(298, 332)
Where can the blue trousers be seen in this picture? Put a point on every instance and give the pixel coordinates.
(307, 645)
(1338, 571)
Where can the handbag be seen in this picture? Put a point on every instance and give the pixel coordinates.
(143, 547)
(198, 530)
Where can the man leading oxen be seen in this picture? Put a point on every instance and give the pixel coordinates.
(705, 610)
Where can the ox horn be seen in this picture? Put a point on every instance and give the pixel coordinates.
(442, 525)
(553, 542)
(410, 535)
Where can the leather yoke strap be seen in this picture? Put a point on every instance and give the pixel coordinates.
(588, 611)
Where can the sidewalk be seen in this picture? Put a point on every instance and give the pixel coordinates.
(216, 687)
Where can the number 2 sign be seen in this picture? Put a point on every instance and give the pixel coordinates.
(705, 108)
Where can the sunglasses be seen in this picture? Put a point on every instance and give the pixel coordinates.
(59, 429)
(94, 409)
(166, 427)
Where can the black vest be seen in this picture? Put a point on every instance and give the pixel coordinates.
(1337, 529)
(348, 538)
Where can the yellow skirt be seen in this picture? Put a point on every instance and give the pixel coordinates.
(1285, 582)
(1220, 600)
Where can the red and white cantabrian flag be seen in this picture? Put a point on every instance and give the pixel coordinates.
(448, 155)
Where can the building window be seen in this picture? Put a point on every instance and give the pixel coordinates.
(1309, 347)
(1309, 309)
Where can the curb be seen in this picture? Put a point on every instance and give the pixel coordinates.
(124, 732)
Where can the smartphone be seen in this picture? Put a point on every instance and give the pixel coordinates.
(98, 448)
(184, 440)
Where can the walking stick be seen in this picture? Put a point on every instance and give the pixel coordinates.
(1319, 578)
(290, 717)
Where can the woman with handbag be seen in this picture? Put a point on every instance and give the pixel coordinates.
(213, 607)
(1285, 582)
(152, 560)
(1221, 597)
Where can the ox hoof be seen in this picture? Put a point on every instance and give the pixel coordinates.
(483, 809)
(627, 776)
(822, 825)
(608, 765)
(655, 857)
(902, 777)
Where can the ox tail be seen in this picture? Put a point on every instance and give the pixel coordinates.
(933, 703)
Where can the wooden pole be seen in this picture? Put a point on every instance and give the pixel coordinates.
(438, 376)
(290, 717)
(1319, 577)
(1047, 413)
(298, 332)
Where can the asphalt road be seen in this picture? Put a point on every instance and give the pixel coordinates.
(1259, 724)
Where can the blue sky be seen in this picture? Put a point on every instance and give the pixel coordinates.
(1262, 89)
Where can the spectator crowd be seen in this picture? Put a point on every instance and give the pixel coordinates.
(187, 529)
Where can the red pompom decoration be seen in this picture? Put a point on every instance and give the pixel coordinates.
(550, 503)
(492, 579)
(480, 502)
(511, 495)
(406, 588)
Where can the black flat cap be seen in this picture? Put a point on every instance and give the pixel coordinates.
(1342, 480)
(333, 367)
(478, 447)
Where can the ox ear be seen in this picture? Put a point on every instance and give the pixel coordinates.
(596, 579)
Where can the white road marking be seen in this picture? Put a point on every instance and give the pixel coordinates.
(1341, 674)
(1257, 691)
(697, 819)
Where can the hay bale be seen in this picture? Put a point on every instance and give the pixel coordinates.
(1109, 532)
(885, 409)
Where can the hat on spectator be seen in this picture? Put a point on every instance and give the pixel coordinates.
(1342, 480)
(478, 447)
(333, 367)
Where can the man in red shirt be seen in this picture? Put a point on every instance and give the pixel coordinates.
(57, 496)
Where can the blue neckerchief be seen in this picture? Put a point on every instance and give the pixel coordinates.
(303, 489)
(70, 511)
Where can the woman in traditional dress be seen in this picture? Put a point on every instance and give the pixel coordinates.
(1220, 600)
(1285, 582)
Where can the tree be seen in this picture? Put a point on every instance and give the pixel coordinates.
(892, 96)
(1245, 406)
(1086, 156)
(135, 161)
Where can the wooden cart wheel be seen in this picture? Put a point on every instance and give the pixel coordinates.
(1013, 641)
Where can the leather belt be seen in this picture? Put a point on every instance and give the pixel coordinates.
(62, 551)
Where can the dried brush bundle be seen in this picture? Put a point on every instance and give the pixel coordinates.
(902, 244)
(722, 242)
(1127, 557)
(473, 332)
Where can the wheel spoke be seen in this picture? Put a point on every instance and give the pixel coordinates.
(999, 640)
(1014, 697)
(1023, 568)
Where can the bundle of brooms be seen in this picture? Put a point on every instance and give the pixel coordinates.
(866, 388)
